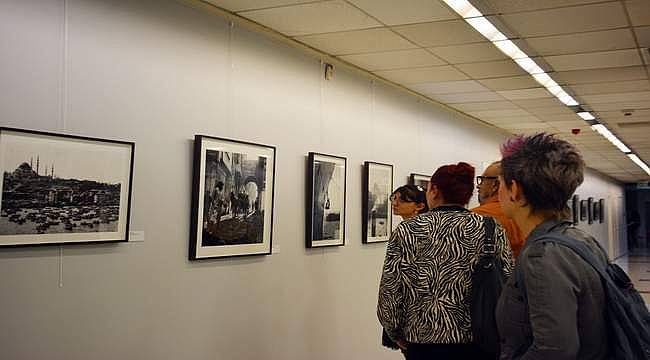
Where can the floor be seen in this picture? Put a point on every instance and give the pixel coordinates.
(637, 266)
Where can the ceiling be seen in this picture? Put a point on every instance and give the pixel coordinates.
(594, 49)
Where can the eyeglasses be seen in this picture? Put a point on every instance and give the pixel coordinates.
(480, 179)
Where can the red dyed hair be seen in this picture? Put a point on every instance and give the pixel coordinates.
(455, 182)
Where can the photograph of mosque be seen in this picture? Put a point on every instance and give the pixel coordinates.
(57, 189)
(234, 203)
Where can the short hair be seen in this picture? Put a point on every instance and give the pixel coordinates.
(455, 182)
(548, 169)
(413, 193)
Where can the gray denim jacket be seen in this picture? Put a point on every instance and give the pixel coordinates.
(563, 316)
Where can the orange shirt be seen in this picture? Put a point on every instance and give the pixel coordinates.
(493, 209)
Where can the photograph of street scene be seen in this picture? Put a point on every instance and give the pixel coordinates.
(233, 200)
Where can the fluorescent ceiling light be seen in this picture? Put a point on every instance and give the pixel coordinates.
(463, 8)
(529, 65)
(486, 28)
(586, 115)
(509, 48)
(639, 162)
(545, 81)
(604, 131)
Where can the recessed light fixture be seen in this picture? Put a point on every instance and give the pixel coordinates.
(604, 131)
(586, 115)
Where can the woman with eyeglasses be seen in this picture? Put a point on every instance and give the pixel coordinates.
(425, 288)
(408, 201)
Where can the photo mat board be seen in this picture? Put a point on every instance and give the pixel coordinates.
(326, 188)
(232, 198)
(63, 189)
(420, 180)
(376, 207)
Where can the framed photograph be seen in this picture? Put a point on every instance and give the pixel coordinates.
(376, 208)
(601, 210)
(63, 189)
(232, 198)
(583, 210)
(575, 209)
(596, 211)
(590, 209)
(326, 176)
(420, 180)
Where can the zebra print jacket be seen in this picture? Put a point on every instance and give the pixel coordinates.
(424, 293)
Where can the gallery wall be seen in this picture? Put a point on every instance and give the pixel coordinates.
(157, 73)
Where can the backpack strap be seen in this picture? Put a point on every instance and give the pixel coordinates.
(578, 247)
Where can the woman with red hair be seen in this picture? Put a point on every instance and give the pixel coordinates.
(425, 288)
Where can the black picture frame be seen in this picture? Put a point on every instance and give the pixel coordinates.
(420, 180)
(376, 212)
(575, 209)
(326, 194)
(237, 180)
(83, 196)
(584, 212)
(590, 209)
(601, 210)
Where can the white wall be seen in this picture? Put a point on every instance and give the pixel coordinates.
(612, 232)
(157, 73)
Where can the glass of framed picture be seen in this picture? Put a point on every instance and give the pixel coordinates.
(326, 185)
(420, 180)
(376, 206)
(232, 198)
(63, 189)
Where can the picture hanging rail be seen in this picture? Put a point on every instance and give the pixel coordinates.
(63, 189)
(232, 198)
(326, 183)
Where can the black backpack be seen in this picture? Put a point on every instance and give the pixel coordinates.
(627, 315)
(487, 282)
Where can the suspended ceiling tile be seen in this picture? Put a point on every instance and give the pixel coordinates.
(553, 110)
(513, 121)
(525, 126)
(611, 87)
(620, 106)
(422, 75)
(510, 83)
(239, 5)
(313, 18)
(600, 75)
(449, 87)
(478, 52)
(567, 20)
(597, 60)
(572, 118)
(619, 116)
(494, 105)
(393, 59)
(639, 11)
(510, 6)
(497, 114)
(520, 94)
(607, 40)
(620, 97)
(566, 126)
(467, 97)
(539, 103)
(492, 69)
(643, 36)
(409, 12)
(440, 33)
(357, 42)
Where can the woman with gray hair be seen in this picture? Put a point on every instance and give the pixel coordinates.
(553, 307)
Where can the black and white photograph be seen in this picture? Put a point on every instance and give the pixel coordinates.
(420, 180)
(376, 208)
(60, 189)
(575, 209)
(326, 180)
(590, 210)
(601, 210)
(232, 200)
(584, 212)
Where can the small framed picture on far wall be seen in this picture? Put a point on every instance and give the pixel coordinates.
(376, 207)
